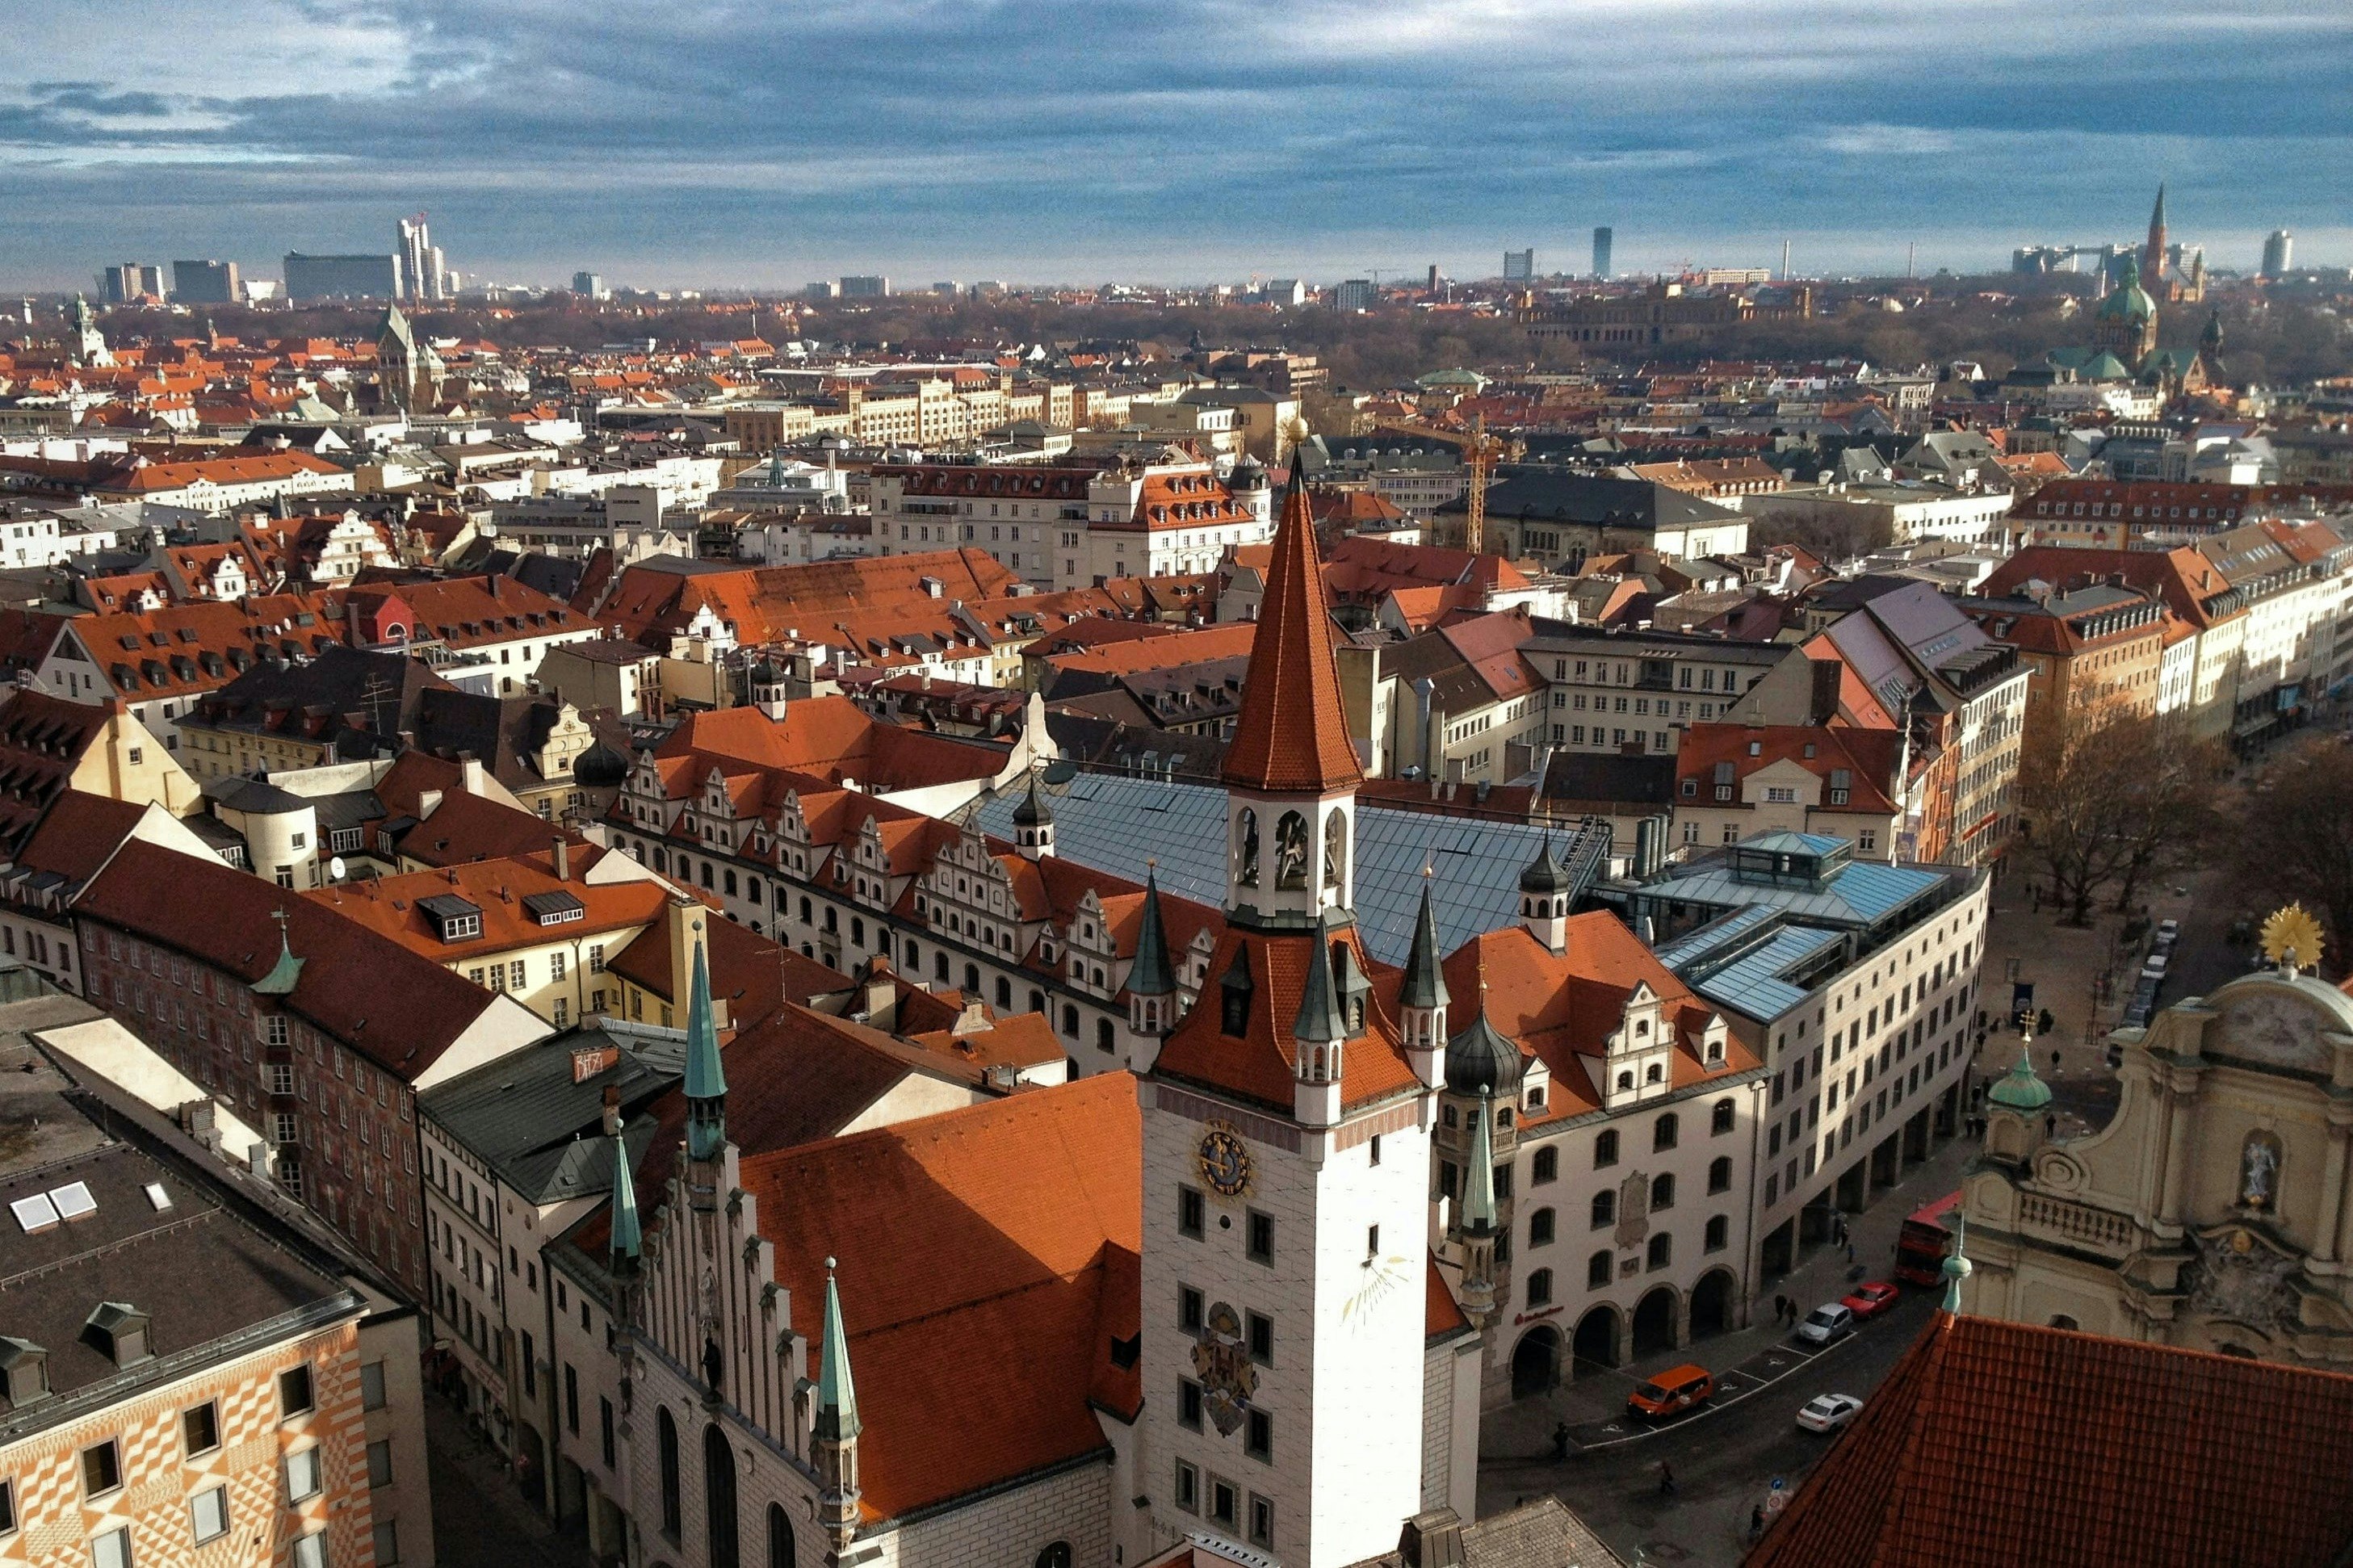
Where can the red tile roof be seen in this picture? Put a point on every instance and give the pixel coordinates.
(1292, 733)
(42, 741)
(389, 905)
(2003, 1443)
(1869, 758)
(1011, 1228)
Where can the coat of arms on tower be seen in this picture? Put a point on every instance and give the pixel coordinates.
(1222, 1363)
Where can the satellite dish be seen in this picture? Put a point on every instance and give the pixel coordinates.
(335, 868)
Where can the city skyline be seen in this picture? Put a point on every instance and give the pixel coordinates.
(681, 151)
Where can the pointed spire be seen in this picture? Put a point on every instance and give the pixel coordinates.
(287, 972)
(1479, 1180)
(706, 1081)
(1425, 977)
(628, 1235)
(837, 1395)
(1291, 735)
(1957, 1267)
(1152, 974)
(1320, 1021)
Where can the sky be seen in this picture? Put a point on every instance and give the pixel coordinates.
(721, 143)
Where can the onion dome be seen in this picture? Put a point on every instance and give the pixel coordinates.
(2019, 1089)
(600, 767)
(1032, 812)
(1479, 1060)
(1545, 873)
(1249, 474)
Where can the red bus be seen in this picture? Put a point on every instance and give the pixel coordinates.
(1926, 1239)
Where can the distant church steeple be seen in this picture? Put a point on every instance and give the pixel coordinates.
(2152, 256)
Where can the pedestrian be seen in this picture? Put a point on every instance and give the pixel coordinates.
(1757, 1521)
(1560, 1441)
(2054, 1061)
(1850, 1251)
(1666, 1480)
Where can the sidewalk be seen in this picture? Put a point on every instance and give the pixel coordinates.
(480, 1518)
(1524, 1428)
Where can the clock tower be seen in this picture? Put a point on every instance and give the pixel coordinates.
(1286, 1157)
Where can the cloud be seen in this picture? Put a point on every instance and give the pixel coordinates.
(762, 142)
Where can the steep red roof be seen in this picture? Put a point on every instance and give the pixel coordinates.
(1292, 733)
(1013, 1223)
(1994, 1442)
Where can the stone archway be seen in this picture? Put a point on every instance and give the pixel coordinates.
(1711, 1303)
(1535, 1363)
(1594, 1343)
(1654, 1321)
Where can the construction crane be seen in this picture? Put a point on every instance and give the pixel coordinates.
(1479, 455)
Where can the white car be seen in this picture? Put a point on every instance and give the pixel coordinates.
(2155, 967)
(2168, 930)
(1825, 1323)
(1829, 1412)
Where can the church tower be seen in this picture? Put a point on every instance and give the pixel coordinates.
(2152, 254)
(1286, 1157)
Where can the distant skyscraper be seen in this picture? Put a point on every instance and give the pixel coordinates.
(589, 285)
(1602, 238)
(206, 283)
(1520, 265)
(122, 283)
(865, 286)
(424, 271)
(1354, 294)
(2279, 253)
(341, 277)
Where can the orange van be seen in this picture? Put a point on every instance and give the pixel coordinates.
(1671, 1392)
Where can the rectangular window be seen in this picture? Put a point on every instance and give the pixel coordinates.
(1188, 1309)
(371, 1385)
(111, 1550)
(1257, 1440)
(7, 1507)
(387, 1544)
(1262, 1339)
(1225, 1501)
(294, 1395)
(1188, 1404)
(1188, 1488)
(302, 1474)
(201, 1428)
(571, 1399)
(1261, 1520)
(208, 1515)
(309, 1552)
(379, 1461)
(101, 1468)
(1191, 1211)
(1262, 1237)
(604, 1430)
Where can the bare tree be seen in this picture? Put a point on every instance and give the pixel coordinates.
(2294, 844)
(2110, 800)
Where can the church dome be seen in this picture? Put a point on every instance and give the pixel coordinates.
(1479, 1060)
(2128, 301)
(1545, 873)
(2020, 1089)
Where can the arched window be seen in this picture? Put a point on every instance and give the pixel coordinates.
(1037, 1001)
(1605, 1149)
(1719, 1234)
(857, 931)
(1545, 1167)
(1597, 1271)
(2062, 1320)
(719, 1499)
(1663, 1132)
(1336, 847)
(1503, 1116)
(914, 954)
(1003, 992)
(1662, 1192)
(1070, 1021)
(1246, 848)
(940, 967)
(1057, 1555)
(1661, 1251)
(1719, 1174)
(780, 1538)
(1654, 1074)
(1539, 1292)
(1540, 1228)
(804, 912)
(1290, 851)
(666, 1442)
(1625, 1082)
(972, 979)
(1106, 1039)
(1720, 1116)
(1605, 1209)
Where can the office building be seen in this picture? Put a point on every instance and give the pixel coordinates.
(2279, 251)
(865, 287)
(206, 283)
(1520, 265)
(341, 277)
(424, 275)
(590, 286)
(125, 281)
(1354, 294)
(1602, 239)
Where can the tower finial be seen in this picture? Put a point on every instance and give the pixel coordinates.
(706, 1080)
(1957, 1267)
(628, 1235)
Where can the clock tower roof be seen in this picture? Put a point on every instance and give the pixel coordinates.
(1291, 735)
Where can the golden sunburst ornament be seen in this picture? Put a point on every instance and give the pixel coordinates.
(2291, 939)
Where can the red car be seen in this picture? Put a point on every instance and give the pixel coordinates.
(1869, 1300)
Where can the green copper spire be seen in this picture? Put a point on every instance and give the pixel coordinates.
(1957, 1267)
(628, 1237)
(1479, 1180)
(1425, 980)
(284, 975)
(837, 1395)
(706, 1083)
(1152, 974)
(2019, 1089)
(1320, 1022)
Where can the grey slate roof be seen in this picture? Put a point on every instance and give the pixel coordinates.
(539, 1129)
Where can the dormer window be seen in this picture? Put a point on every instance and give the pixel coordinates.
(456, 919)
(118, 1330)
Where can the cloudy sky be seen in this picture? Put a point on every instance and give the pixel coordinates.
(768, 141)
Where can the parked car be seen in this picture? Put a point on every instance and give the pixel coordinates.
(2155, 967)
(1870, 1299)
(1827, 1323)
(1671, 1392)
(2168, 930)
(1829, 1412)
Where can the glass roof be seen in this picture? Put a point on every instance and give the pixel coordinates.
(1115, 822)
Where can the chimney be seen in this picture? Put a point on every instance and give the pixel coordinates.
(612, 1110)
(1433, 1540)
(470, 767)
(427, 802)
(562, 859)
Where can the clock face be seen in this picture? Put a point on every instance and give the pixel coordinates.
(1225, 1161)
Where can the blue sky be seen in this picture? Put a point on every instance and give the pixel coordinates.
(714, 143)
